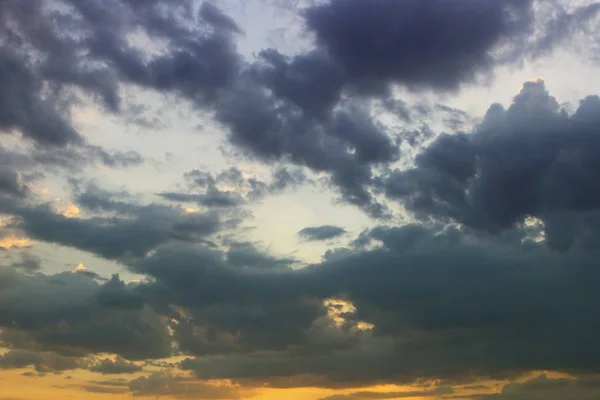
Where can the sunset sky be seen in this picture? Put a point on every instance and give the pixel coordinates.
(300, 199)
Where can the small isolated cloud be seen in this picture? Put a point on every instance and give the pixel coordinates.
(323, 232)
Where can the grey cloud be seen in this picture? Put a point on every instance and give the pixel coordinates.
(214, 16)
(117, 366)
(162, 384)
(366, 395)
(115, 238)
(23, 108)
(245, 254)
(42, 362)
(37, 160)
(11, 184)
(272, 132)
(309, 80)
(136, 230)
(543, 387)
(443, 304)
(416, 44)
(27, 262)
(228, 299)
(102, 389)
(579, 22)
(73, 315)
(531, 160)
(240, 189)
(324, 232)
(96, 56)
(213, 198)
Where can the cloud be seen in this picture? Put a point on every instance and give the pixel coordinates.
(23, 107)
(41, 159)
(366, 395)
(73, 315)
(161, 384)
(214, 16)
(324, 232)
(42, 362)
(345, 146)
(117, 366)
(544, 387)
(531, 160)
(232, 187)
(430, 302)
(10, 183)
(113, 237)
(245, 254)
(27, 262)
(443, 304)
(472, 288)
(413, 43)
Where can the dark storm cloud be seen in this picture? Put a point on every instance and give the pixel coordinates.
(443, 303)
(62, 313)
(324, 232)
(234, 302)
(531, 160)
(436, 44)
(117, 366)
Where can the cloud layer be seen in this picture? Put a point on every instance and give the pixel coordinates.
(478, 263)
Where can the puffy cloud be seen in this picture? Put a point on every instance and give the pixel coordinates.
(438, 44)
(531, 160)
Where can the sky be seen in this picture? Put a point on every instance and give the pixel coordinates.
(299, 199)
